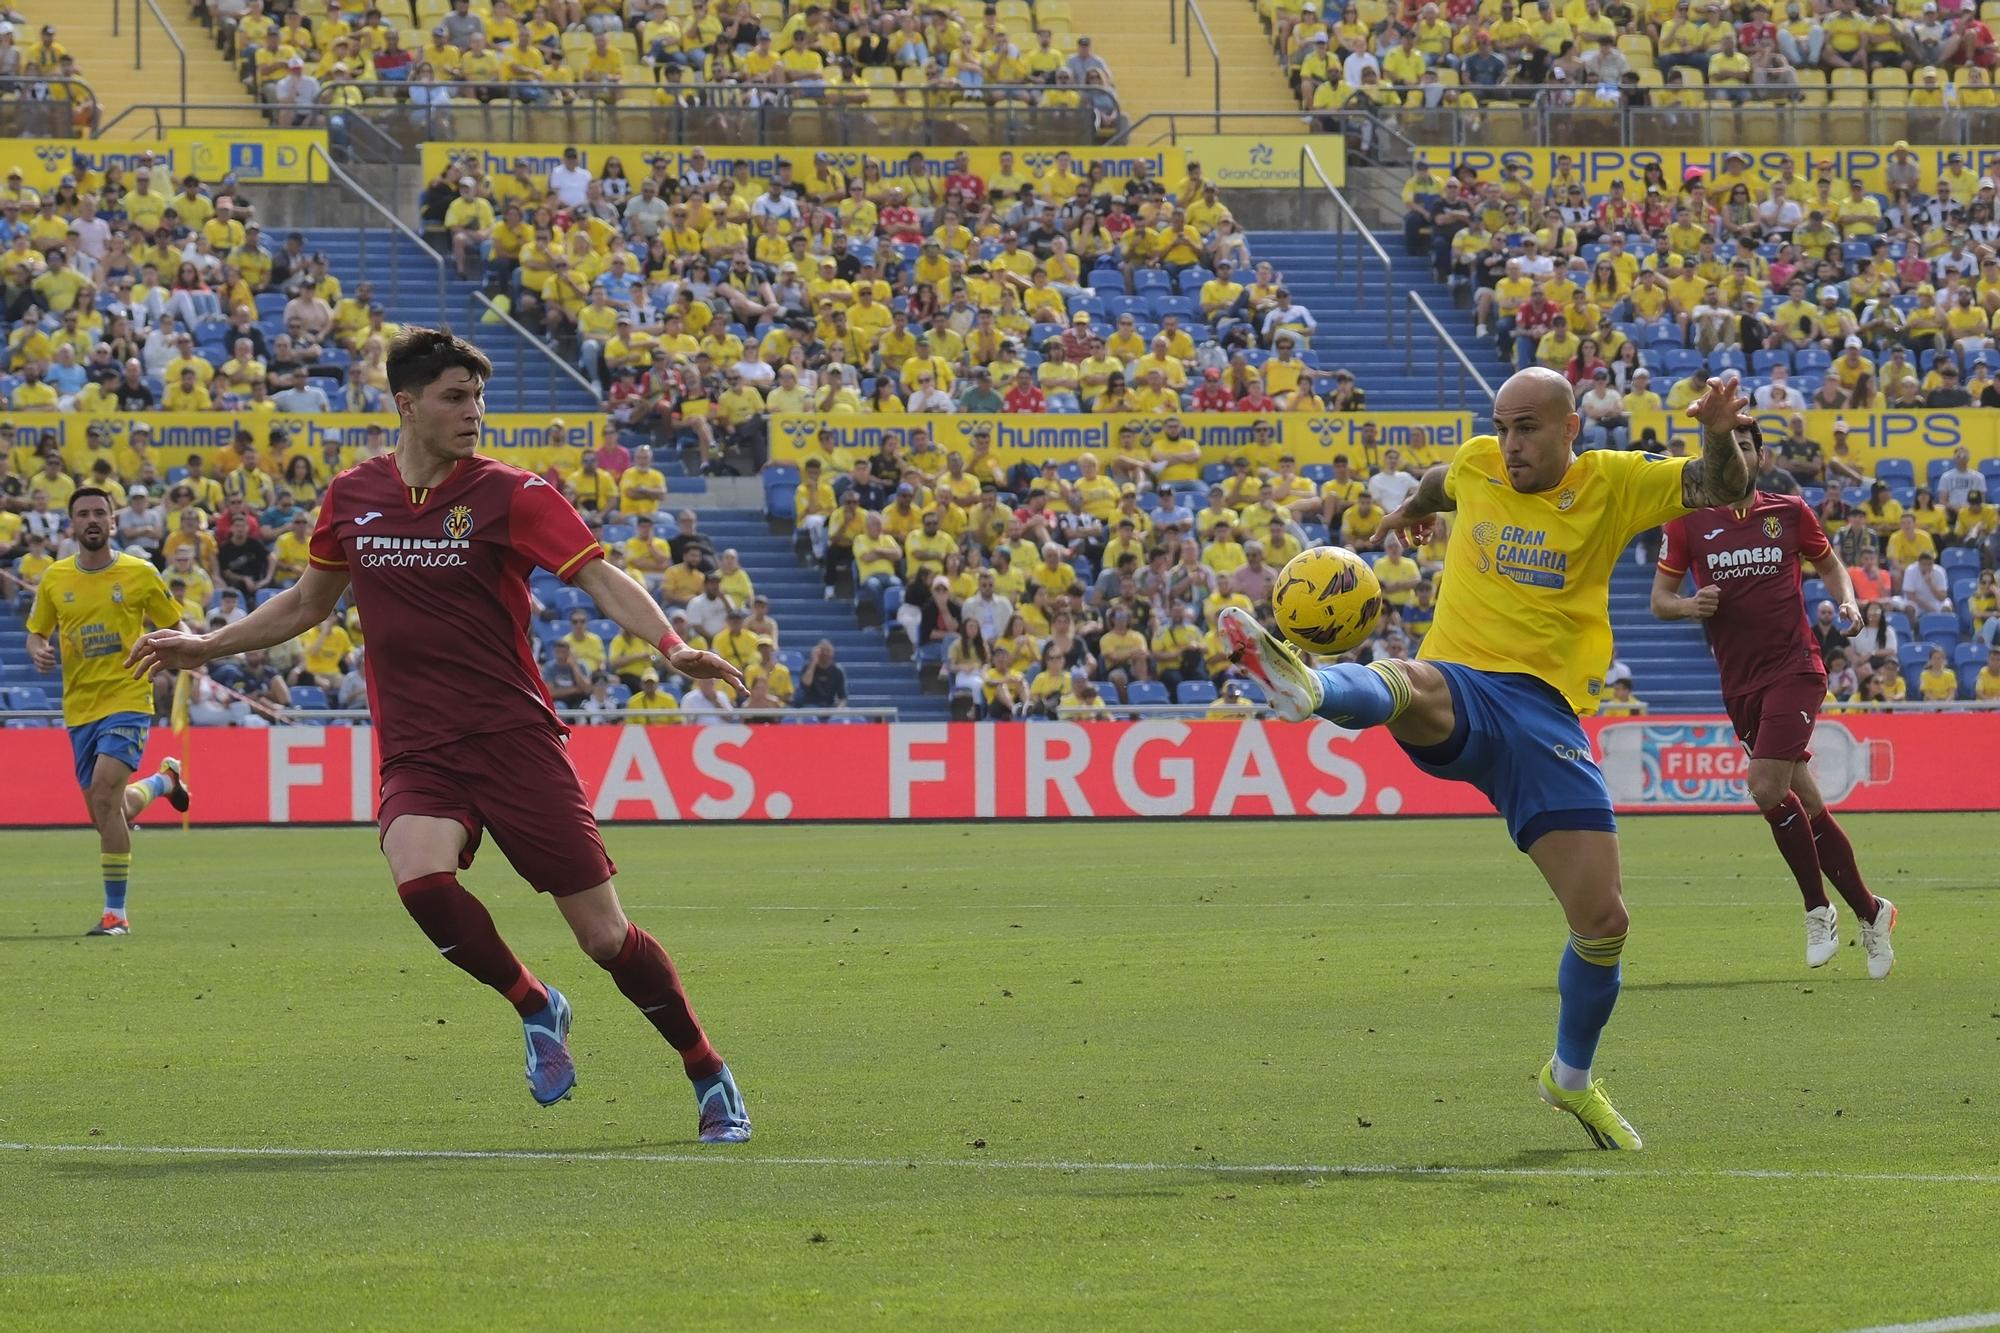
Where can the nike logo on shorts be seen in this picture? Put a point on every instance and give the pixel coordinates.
(367, 518)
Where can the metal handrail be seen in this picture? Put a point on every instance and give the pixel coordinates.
(138, 50)
(1191, 18)
(96, 106)
(1443, 342)
(1171, 119)
(547, 352)
(355, 188)
(155, 110)
(1345, 219)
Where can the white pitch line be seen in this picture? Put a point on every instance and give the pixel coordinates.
(727, 1157)
(1957, 1323)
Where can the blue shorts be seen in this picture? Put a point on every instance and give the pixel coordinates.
(121, 736)
(1518, 741)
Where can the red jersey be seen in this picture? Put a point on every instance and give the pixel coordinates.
(441, 579)
(1759, 633)
(1026, 398)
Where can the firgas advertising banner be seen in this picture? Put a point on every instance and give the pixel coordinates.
(1060, 770)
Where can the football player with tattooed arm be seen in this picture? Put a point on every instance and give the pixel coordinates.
(1745, 559)
(437, 544)
(1518, 648)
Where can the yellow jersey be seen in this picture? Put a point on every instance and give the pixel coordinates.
(95, 615)
(1526, 587)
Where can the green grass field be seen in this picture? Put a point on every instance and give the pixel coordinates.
(1198, 1075)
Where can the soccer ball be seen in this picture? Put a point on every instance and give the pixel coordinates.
(1327, 600)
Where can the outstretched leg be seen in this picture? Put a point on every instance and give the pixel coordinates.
(646, 976)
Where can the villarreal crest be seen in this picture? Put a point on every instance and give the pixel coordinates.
(458, 522)
(1771, 526)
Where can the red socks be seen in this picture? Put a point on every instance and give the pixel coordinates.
(646, 977)
(1793, 833)
(1836, 857)
(461, 928)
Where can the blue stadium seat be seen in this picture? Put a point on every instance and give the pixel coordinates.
(1762, 362)
(1151, 279)
(606, 630)
(1108, 280)
(1195, 692)
(1253, 691)
(1969, 654)
(1897, 472)
(1912, 655)
(1968, 679)
(308, 696)
(1812, 361)
(564, 600)
(1956, 558)
(617, 534)
(1676, 362)
(1939, 627)
(1814, 592)
(1145, 692)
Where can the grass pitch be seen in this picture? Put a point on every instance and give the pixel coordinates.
(1192, 1075)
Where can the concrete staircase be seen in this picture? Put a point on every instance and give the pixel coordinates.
(804, 618)
(1153, 73)
(84, 27)
(405, 278)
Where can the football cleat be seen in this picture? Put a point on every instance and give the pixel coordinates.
(724, 1118)
(177, 790)
(1822, 935)
(111, 924)
(551, 1073)
(1875, 939)
(1593, 1110)
(1291, 686)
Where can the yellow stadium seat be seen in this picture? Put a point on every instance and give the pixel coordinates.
(1812, 82)
(311, 9)
(877, 74)
(1447, 76)
(1372, 12)
(1849, 87)
(1638, 49)
(1015, 11)
(1990, 11)
(575, 42)
(1693, 78)
(1059, 29)
(1648, 77)
(1892, 87)
(1059, 9)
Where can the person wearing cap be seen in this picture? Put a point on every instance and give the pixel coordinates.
(470, 222)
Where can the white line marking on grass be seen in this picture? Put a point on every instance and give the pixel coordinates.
(1000, 905)
(737, 1158)
(1952, 1324)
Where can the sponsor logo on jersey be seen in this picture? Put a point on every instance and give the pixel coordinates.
(458, 522)
(367, 518)
(1523, 555)
(412, 552)
(118, 593)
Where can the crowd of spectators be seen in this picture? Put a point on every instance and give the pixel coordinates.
(1069, 590)
(41, 84)
(1819, 292)
(1929, 56)
(867, 55)
(231, 527)
(704, 299)
(119, 296)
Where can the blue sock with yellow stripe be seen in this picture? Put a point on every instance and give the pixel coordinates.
(1587, 981)
(149, 790)
(1359, 696)
(117, 870)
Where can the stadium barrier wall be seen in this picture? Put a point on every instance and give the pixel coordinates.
(1031, 437)
(521, 438)
(1167, 164)
(255, 157)
(1596, 168)
(1119, 770)
(1426, 437)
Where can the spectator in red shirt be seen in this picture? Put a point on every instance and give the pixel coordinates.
(899, 221)
(1078, 344)
(963, 179)
(1752, 36)
(1254, 399)
(1212, 396)
(1616, 213)
(1025, 395)
(236, 513)
(1970, 44)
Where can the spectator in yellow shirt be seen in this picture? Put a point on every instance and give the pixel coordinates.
(643, 488)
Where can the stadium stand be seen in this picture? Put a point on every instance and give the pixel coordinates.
(698, 303)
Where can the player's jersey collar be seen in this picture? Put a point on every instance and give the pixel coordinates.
(416, 497)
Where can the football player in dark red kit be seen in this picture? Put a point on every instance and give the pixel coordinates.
(436, 545)
(1745, 560)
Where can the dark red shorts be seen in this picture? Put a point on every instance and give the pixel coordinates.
(1776, 722)
(522, 786)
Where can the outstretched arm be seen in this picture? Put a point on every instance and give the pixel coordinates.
(1414, 515)
(624, 599)
(1721, 476)
(283, 618)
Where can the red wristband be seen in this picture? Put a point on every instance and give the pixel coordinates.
(670, 643)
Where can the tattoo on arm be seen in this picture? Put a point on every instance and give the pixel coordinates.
(1429, 497)
(1719, 476)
